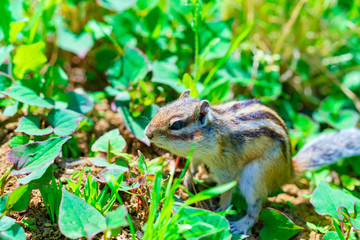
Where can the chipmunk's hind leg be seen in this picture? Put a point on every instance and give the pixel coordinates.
(254, 190)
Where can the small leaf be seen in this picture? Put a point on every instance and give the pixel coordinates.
(19, 140)
(331, 236)
(64, 121)
(118, 6)
(57, 75)
(78, 44)
(34, 159)
(78, 219)
(30, 125)
(29, 58)
(19, 199)
(6, 223)
(16, 232)
(326, 200)
(116, 218)
(117, 142)
(141, 164)
(4, 53)
(26, 95)
(79, 102)
(189, 83)
(277, 225)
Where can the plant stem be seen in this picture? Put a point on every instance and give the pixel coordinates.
(196, 31)
(131, 226)
(348, 233)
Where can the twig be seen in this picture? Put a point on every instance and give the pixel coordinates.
(287, 27)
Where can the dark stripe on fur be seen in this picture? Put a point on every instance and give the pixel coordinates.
(262, 114)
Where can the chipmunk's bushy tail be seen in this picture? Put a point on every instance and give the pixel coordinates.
(328, 148)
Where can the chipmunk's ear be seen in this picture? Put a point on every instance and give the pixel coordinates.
(204, 107)
(185, 94)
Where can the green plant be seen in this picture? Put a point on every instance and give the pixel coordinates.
(51, 195)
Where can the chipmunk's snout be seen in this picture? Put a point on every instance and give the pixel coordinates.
(148, 132)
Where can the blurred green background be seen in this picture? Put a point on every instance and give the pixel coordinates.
(300, 57)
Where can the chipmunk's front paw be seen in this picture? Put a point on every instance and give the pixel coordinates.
(236, 231)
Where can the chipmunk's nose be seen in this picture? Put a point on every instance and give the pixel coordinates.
(148, 132)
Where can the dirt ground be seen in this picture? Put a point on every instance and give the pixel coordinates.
(299, 209)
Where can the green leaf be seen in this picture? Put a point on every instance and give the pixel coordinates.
(3, 201)
(116, 218)
(6, 223)
(135, 65)
(146, 4)
(19, 199)
(277, 225)
(118, 6)
(29, 58)
(98, 29)
(326, 200)
(4, 53)
(78, 44)
(117, 142)
(167, 73)
(64, 121)
(351, 80)
(57, 75)
(201, 224)
(189, 83)
(26, 95)
(5, 82)
(78, 219)
(16, 232)
(5, 19)
(19, 140)
(331, 236)
(137, 125)
(34, 159)
(30, 125)
(80, 103)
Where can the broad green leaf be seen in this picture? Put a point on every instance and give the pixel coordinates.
(167, 73)
(351, 80)
(100, 162)
(78, 44)
(117, 142)
(137, 125)
(30, 125)
(98, 29)
(135, 65)
(19, 199)
(57, 76)
(189, 83)
(79, 102)
(201, 224)
(344, 120)
(5, 19)
(64, 121)
(16, 232)
(116, 218)
(78, 219)
(19, 140)
(29, 58)
(326, 200)
(146, 4)
(5, 82)
(331, 236)
(118, 6)
(277, 225)
(11, 110)
(3, 200)
(6, 223)
(26, 95)
(4, 53)
(34, 159)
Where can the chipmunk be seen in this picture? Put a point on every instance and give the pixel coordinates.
(244, 141)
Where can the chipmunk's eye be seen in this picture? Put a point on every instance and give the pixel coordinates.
(177, 125)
